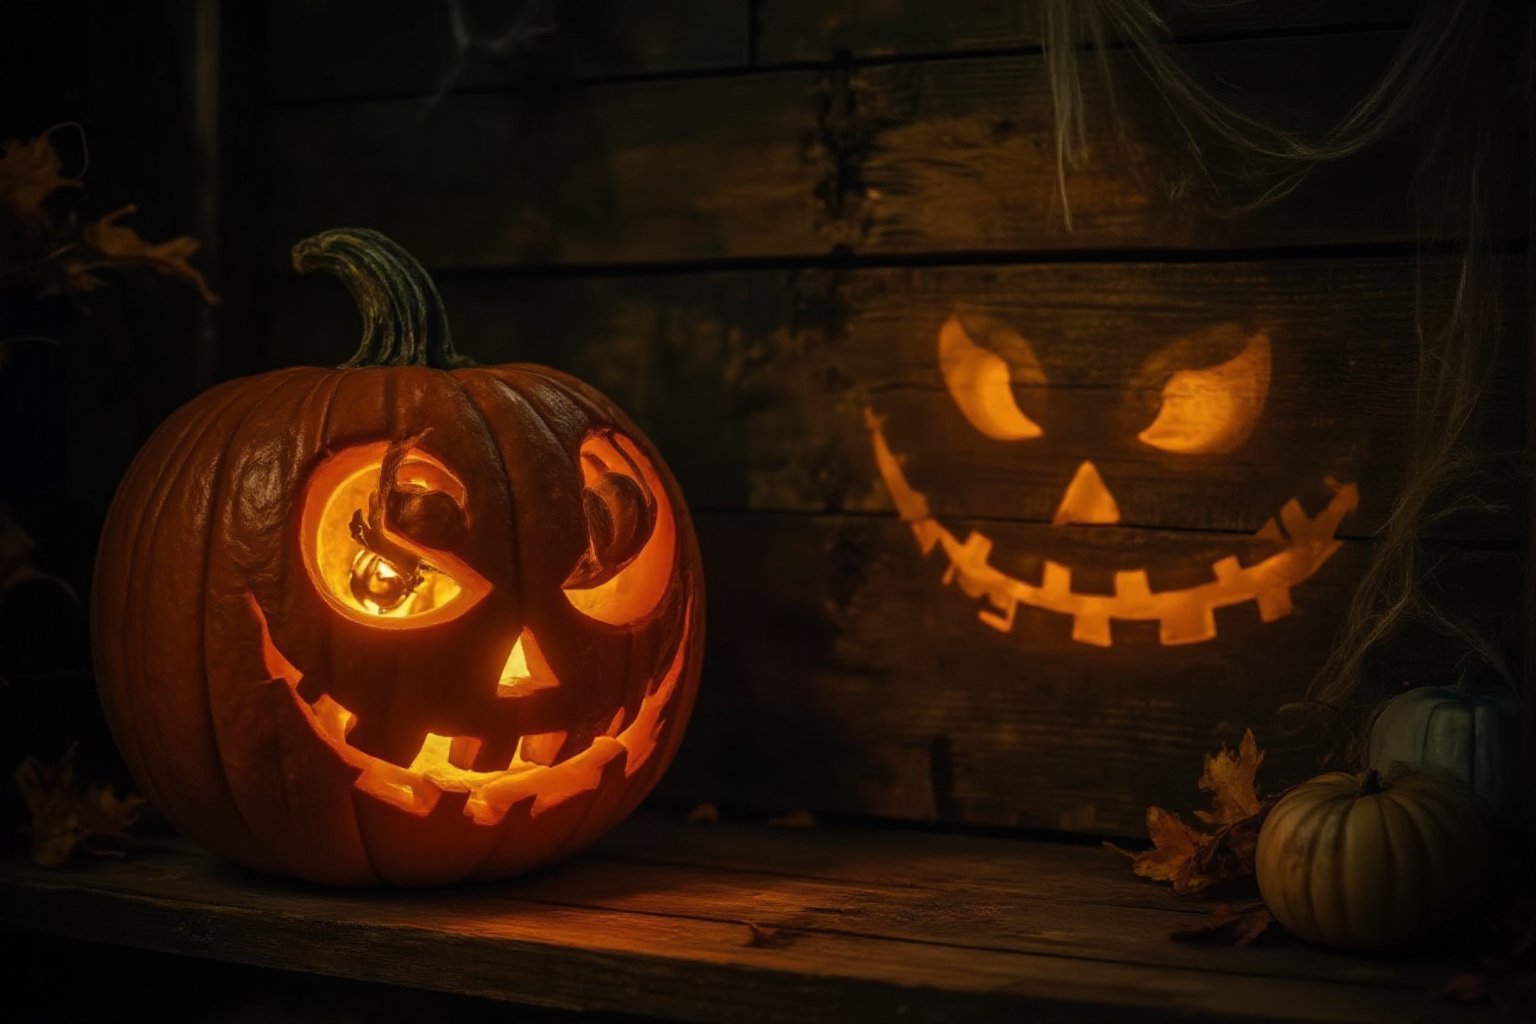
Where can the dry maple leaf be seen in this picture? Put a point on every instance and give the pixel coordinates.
(1192, 860)
(119, 246)
(29, 172)
(67, 819)
(1229, 926)
(1175, 852)
(1229, 778)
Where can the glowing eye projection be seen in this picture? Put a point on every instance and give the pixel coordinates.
(1212, 411)
(979, 379)
(628, 563)
(372, 518)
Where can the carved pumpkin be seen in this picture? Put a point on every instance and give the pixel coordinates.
(1182, 405)
(1470, 733)
(409, 620)
(1358, 863)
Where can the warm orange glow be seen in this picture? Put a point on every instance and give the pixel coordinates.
(440, 764)
(526, 671)
(980, 384)
(1183, 616)
(1211, 411)
(1087, 500)
(636, 590)
(365, 585)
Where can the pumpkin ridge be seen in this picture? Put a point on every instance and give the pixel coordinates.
(309, 454)
(139, 479)
(173, 484)
(1412, 825)
(215, 494)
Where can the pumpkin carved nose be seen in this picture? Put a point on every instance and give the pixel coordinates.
(1087, 500)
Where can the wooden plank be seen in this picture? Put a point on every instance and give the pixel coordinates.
(620, 172)
(843, 674)
(810, 30)
(778, 368)
(921, 157)
(960, 154)
(353, 48)
(624, 936)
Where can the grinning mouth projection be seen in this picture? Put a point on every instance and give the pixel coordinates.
(1202, 411)
(440, 765)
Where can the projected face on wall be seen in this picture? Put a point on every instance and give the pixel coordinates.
(1201, 396)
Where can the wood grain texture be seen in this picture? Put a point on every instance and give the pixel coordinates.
(620, 172)
(343, 49)
(754, 383)
(746, 923)
(811, 30)
(918, 157)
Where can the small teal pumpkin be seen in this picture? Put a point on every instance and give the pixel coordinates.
(1468, 730)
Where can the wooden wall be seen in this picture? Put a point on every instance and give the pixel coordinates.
(745, 220)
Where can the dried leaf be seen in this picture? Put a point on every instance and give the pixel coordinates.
(29, 172)
(1229, 778)
(1194, 861)
(67, 819)
(704, 814)
(1230, 926)
(1176, 852)
(121, 247)
(794, 819)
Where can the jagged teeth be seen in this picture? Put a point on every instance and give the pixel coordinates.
(1091, 629)
(1132, 585)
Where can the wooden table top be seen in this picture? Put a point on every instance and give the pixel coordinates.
(748, 922)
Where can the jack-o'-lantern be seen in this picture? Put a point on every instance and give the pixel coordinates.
(407, 621)
(1184, 408)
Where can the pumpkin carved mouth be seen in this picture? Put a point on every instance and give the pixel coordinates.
(436, 769)
(1183, 616)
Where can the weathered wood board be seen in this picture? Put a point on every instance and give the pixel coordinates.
(354, 48)
(952, 155)
(817, 30)
(751, 923)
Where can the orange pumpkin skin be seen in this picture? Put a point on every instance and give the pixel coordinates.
(301, 727)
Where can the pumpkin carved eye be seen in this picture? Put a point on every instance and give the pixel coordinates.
(623, 574)
(379, 526)
(620, 517)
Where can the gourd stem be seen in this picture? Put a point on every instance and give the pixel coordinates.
(404, 323)
(1371, 784)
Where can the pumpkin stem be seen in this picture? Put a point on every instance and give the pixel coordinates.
(1371, 784)
(404, 323)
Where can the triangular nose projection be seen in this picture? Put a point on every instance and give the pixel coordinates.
(526, 671)
(1087, 500)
